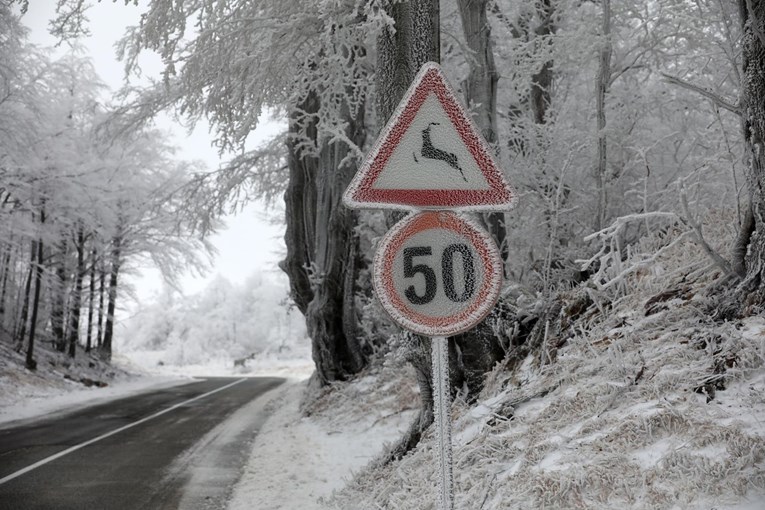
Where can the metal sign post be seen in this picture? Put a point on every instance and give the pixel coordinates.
(442, 417)
(437, 274)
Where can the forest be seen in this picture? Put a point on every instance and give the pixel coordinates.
(84, 195)
(633, 132)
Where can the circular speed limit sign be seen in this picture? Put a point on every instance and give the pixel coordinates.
(437, 274)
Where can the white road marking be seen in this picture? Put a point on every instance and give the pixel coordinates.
(108, 434)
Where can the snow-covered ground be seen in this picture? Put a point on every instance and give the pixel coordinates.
(591, 441)
(298, 461)
(149, 361)
(651, 402)
(61, 384)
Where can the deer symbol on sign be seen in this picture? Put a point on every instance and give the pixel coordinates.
(430, 152)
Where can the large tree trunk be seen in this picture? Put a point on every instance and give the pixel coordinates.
(31, 364)
(752, 13)
(320, 260)
(330, 316)
(481, 92)
(401, 51)
(76, 300)
(300, 205)
(478, 350)
(116, 262)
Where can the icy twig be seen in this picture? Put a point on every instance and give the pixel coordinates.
(621, 221)
(486, 491)
(645, 262)
(716, 99)
(720, 262)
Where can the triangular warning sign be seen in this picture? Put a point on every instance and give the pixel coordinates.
(430, 155)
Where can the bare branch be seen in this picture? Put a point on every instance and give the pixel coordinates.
(719, 261)
(719, 101)
(754, 21)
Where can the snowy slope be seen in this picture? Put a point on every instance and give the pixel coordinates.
(650, 403)
(599, 439)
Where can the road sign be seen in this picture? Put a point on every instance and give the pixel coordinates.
(437, 274)
(430, 155)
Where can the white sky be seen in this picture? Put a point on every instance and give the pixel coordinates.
(250, 243)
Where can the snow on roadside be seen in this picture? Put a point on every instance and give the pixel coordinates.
(297, 461)
(263, 365)
(60, 384)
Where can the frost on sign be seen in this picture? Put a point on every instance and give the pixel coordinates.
(437, 274)
(430, 155)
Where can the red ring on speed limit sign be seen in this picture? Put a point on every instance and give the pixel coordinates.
(437, 274)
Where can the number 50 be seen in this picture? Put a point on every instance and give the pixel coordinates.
(447, 273)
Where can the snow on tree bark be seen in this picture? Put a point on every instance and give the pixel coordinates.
(91, 299)
(479, 351)
(320, 240)
(481, 92)
(116, 263)
(604, 77)
(101, 293)
(752, 14)
(6, 266)
(541, 81)
(411, 41)
(76, 299)
(58, 298)
(300, 204)
(21, 328)
(30, 362)
(330, 316)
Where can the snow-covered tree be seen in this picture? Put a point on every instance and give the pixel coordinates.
(752, 103)
(223, 323)
(76, 199)
(311, 62)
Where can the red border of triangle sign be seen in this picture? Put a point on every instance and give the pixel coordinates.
(431, 191)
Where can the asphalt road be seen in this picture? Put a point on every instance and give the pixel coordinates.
(185, 452)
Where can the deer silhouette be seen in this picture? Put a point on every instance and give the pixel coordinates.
(430, 152)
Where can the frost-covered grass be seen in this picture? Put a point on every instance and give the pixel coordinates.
(599, 439)
(638, 410)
